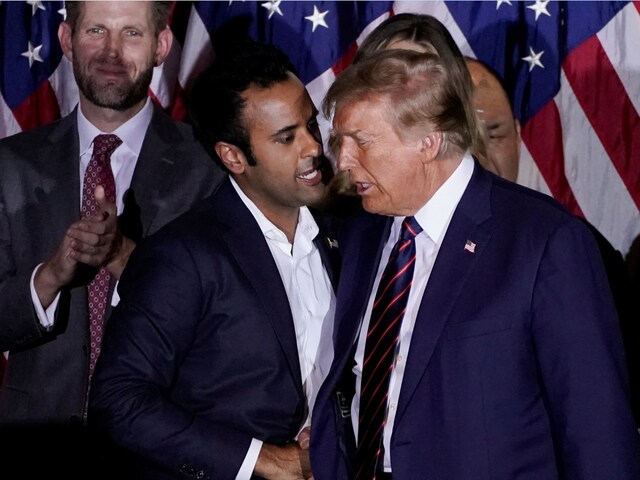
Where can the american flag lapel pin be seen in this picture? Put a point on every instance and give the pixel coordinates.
(470, 246)
(332, 243)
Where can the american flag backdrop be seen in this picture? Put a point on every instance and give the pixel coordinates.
(573, 70)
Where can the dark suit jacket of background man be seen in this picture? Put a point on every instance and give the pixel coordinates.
(500, 382)
(205, 294)
(39, 198)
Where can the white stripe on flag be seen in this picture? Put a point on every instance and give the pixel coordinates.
(166, 75)
(620, 39)
(529, 174)
(197, 52)
(64, 86)
(8, 123)
(598, 188)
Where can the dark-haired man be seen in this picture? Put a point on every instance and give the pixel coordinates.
(222, 337)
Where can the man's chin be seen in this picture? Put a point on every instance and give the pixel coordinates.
(372, 206)
(115, 100)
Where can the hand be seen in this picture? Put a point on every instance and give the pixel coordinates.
(56, 272)
(97, 240)
(93, 236)
(286, 462)
(304, 440)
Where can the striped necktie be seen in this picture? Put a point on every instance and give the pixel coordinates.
(380, 348)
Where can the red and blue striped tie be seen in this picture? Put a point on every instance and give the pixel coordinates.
(380, 348)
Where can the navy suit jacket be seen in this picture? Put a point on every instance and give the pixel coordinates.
(47, 378)
(200, 355)
(515, 368)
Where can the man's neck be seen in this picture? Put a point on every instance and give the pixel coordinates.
(108, 119)
(285, 220)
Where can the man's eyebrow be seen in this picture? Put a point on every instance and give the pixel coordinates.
(288, 128)
(343, 133)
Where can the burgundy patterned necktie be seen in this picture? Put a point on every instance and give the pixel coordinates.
(380, 348)
(98, 173)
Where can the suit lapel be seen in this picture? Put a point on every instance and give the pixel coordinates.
(359, 267)
(153, 174)
(328, 247)
(60, 175)
(250, 250)
(448, 280)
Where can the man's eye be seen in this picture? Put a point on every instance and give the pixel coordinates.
(96, 31)
(285, 139)
(133, 33)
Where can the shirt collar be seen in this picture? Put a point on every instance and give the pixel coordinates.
(307, 226)
(132, 132)
(435, 215)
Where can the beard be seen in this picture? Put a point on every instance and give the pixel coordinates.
(117, 96)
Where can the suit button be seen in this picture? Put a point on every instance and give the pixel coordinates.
(184, 468)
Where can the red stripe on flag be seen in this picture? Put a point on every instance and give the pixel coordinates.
(346, 59)
(542, 135)
(39, 109)
(3, 367)
(606, 104)
(177, 109)
(179, 105)
(637, 4)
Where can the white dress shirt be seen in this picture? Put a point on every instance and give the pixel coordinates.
(434, 218)
(312, 303)
(123, 163)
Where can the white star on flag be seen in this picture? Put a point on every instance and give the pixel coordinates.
(35, 6)
(317, 18)
(540, 7)
(33, 54)
(273, 6)
(500, 2)
(534, 59)
(63, 12)
(470, 246)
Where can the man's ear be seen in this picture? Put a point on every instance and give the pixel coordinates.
(231, 156)
(64, 37)
(430, 145)
(165, 39)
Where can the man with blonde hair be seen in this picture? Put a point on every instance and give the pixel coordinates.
(473, 317)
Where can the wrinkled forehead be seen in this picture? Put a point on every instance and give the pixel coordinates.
(367, 106)
(136, 13)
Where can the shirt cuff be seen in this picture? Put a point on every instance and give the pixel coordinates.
(250, 460)
(45, 317)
